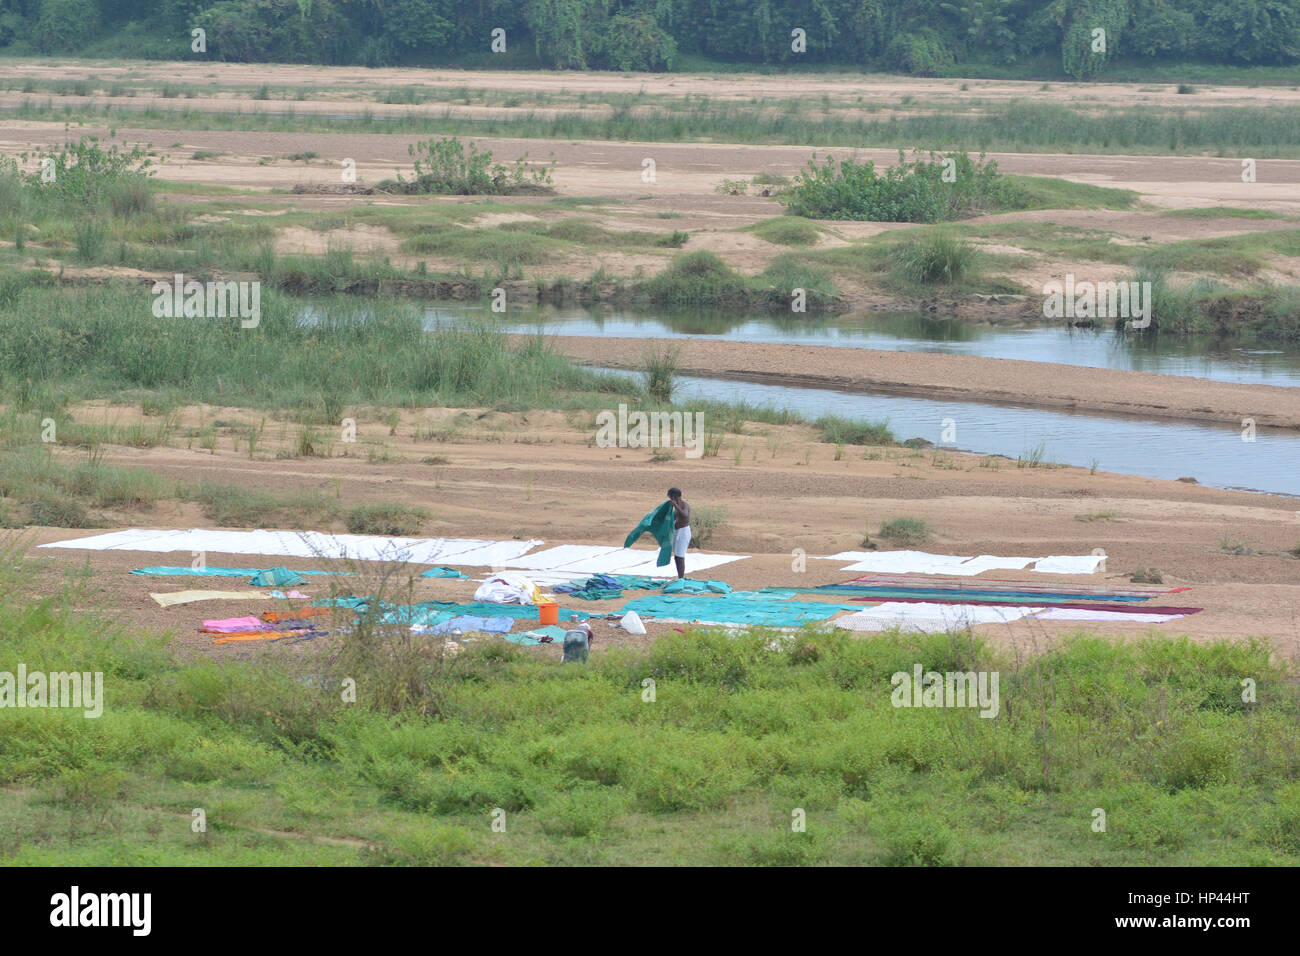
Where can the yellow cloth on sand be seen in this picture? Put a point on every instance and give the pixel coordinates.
(185, 597)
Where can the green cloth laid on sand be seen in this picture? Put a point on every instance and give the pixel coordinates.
(248, 573)
(740, 607)
(435, 612)
(529, 638)
(442, 573)
(689, 586)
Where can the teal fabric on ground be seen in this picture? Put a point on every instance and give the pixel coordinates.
(433, 612)
(598, 588)
(633, 582)
(553, 631)
(521, 638)
(598, 594)
(352, 602)
(442, 573)
(275, 578)
(220, 572)
(659, 525)
(739, 608)
(527, 638)
(689, 586)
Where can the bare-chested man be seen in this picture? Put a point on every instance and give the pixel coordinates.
(681, 529)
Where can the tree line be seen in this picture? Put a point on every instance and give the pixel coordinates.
(924, 37)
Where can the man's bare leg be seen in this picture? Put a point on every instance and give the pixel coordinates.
(681, 567)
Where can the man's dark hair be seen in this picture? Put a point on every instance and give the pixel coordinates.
(674, 492)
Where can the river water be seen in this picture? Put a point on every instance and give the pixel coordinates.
(1214, 455)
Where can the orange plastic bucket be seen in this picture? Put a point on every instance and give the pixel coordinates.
(548, 612)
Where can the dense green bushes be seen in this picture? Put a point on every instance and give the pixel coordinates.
(916, 36)
(80, 177)
(443, 166)
(937, 189)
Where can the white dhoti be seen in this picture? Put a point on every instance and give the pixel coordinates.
(681, 541)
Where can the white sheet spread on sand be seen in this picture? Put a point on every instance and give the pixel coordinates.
(566, 561)
(471, 552)
(907, 562)
(695, 563)
(1080, 614)
(929, 617)
(1069, 564)
(585, 559)
(990, 562)
(922, 562)
(580, 558)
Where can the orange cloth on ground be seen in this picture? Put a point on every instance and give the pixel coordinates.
(256, 636)
(273, 616)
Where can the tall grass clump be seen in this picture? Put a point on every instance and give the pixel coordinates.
(787, 272)
(89, 234)
(844, 431)
(936, 259)
(698, 279)
(906, 531)
(659, 365)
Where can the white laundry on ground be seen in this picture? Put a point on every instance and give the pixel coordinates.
(926, 617)
(1082, 614)
(581, 558)
(597, 559)
(508, 587)
(990, 562)
(471, 552)
(922, 562)
(908, 562)
(1070, 564)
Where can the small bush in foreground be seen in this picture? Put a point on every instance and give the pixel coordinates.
(396, 520)
(937, 259)
(844, 431)
(1144, 576)
(706, 520)
(905, 530)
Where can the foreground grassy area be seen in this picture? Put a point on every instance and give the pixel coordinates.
(585, 765)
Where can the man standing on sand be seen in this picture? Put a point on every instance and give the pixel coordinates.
(681, 529)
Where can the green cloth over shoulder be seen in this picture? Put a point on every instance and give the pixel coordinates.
(659, 524)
